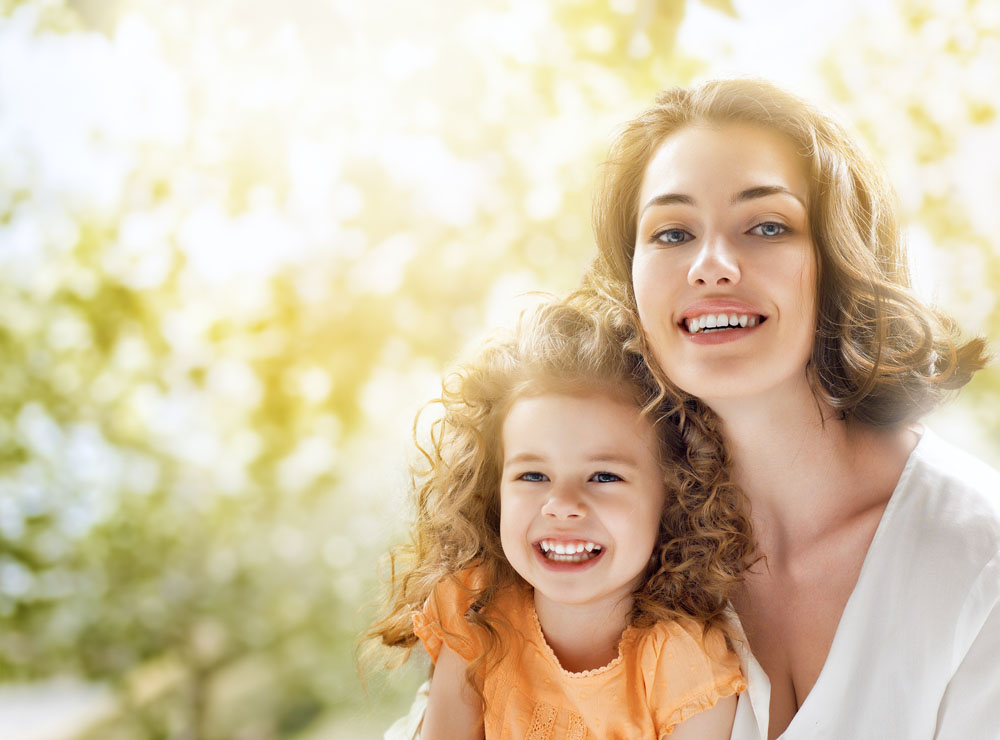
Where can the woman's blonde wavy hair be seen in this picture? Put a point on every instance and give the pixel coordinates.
(881, 356)
(571, 346)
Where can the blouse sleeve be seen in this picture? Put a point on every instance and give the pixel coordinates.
(442, 620)
(408, 727)
(687, 672)
(969, 706)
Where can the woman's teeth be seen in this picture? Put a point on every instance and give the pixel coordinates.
(569, 552)
(717, 321)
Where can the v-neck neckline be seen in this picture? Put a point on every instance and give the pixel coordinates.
(758, 682)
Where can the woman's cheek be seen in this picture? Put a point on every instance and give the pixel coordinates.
(652, 294)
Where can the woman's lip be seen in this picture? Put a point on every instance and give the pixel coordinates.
(718, 306)
(720, 337)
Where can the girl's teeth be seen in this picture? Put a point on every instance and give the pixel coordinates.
(571, 552)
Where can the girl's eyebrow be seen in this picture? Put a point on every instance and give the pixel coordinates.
(613, 458)
(600, 457)
(523, 457)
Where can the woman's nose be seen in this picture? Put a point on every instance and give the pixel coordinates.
(716, 263)
(564, 502)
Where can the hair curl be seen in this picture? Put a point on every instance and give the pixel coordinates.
(881, 356)
(575, 346)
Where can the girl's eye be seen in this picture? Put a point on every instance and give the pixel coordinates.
(769, 229)
(532, 477)
(673, 236)
(605, 478)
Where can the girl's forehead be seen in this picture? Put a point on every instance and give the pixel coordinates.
(597, 392)
(576, 413)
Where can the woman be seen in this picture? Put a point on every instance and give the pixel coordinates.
(756, 248)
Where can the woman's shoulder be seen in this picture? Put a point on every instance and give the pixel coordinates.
(951, 492)
(942, 458)
(939, 540)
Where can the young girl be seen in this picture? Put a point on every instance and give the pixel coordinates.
(561, 582)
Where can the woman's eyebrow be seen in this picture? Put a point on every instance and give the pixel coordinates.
(762, 191)
(759, 191)
(667, 199)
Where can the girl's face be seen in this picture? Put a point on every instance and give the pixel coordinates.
(581, 495)
(724, 268)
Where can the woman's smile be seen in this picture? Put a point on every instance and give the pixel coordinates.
(718, 322)
(724, 268)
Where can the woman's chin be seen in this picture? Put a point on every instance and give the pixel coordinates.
(747, 387)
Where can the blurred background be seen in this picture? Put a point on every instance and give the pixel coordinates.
(241, 240)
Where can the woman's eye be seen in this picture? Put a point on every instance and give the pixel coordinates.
(605, 478)
(673, 236)
(769, 229)
(532, 477)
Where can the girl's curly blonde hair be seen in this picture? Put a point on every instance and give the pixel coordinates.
(574, 346)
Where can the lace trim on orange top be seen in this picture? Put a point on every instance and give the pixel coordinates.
(551, 655)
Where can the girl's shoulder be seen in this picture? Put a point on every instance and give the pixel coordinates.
(443, 621)
(682, 640)
(447, 615)
(684, 668)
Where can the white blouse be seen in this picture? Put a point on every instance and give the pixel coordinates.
(917, 651)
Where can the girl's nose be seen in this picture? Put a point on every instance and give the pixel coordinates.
(563, 502)
(716, 263)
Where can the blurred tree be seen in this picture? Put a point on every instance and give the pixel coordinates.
(919, 78)
(226, 230)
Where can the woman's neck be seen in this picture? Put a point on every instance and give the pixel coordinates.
(583, 637)
(804, 469)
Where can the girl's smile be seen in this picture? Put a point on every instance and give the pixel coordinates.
(580, 497)
(560, 554)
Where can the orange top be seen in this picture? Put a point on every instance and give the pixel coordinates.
(662, 675)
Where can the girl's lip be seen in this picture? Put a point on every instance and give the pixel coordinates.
(580, 545)
(566, 539)
(567, 566)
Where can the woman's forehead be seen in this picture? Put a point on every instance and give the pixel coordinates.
(723, 163)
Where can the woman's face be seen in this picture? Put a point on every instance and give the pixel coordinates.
(724, 268)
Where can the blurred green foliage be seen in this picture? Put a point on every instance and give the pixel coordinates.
(238, 243)
(230, 227)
